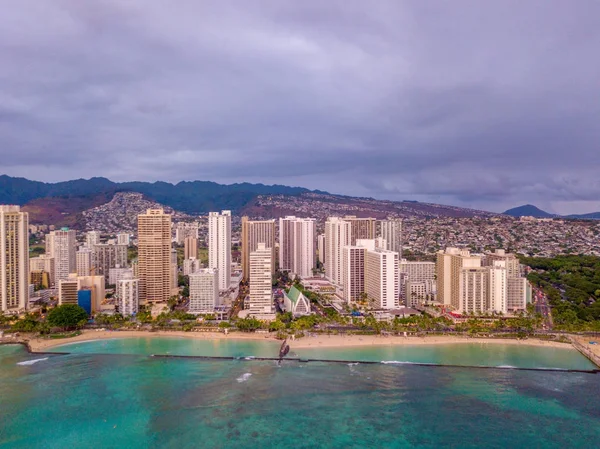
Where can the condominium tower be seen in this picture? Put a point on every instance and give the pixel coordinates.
(253, 233)
(261, 294)
(14, 258)
(391, 232)
(204, 291)
(297, 245)
(64, 250)
(338, 233)
(154, 256)
(362, 228)
(219, 246)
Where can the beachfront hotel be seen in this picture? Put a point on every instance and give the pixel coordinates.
(261, 293)
(14, 258)
(128, 295)
(154, 256)
(338, 233)
(219, 246)
(253, 233)
(204, 291)
(297, 246)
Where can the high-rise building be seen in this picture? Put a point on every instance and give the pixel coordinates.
(497, 288)
(84, 261)
(253, 233)
(118, 273)
(417, 282)
(191, 265)
(14, 258)
(174, 271)
(64, 251)
(219, 246)
(353, 272)
(361, 228)
(92, 238)
(106, 256)
(321, 248)
(391, 232)
(190, 248)
(204, 291)
(467, 286)
(418, 271)
(511, 262)
(128, 294)
(518, 294)
(473, 290)
(67, 290)
(449, 264)
(297, 246)
(154, 256)
(382, 278)
(123, 238)
(43, 263)
(50, 244)
(338, 233)
(184, 230)
(95, 284)
(261, 293)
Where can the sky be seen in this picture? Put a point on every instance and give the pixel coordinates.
(484, 104)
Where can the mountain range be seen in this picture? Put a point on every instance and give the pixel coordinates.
(529, 210)
(63, 203)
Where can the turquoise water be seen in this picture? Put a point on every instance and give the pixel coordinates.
(113, 400)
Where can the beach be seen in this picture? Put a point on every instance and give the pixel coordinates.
(317, 341)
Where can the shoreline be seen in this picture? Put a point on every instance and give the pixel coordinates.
(318, 341)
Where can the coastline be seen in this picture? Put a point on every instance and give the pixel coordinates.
(318, 341)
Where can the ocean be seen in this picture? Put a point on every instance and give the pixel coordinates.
(113, 394)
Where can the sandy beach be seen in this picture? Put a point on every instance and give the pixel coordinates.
(41, 344)
(318, 341)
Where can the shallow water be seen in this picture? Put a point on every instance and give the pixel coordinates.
(115, 400)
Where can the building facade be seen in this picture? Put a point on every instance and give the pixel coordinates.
(84, 261)
(219, 246)
(353, 273)
(382, 278)
(204, 291)
(128, 293)
(14, 258)
(106, 256)
(361, 228)
(338, 234)
(190, 248)
(64, 244)
(298, 246)
(261, 294)
(391, 231)
(253, 233)
(154, 256)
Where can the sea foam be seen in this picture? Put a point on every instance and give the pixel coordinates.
(244, 377)
(31, 362)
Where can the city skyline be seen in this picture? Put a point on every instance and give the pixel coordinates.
(482, 105)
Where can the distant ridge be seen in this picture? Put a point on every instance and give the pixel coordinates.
(193, 197)
(528, 210)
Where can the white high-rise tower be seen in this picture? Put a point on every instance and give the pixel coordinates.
(297, 245)
(219, 246)
(338, 233)
(65, 254)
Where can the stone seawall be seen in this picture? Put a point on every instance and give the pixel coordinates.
(587, 352)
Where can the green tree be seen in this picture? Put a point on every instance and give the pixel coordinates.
(67, 316)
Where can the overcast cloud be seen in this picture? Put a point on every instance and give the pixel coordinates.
(487, 104)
